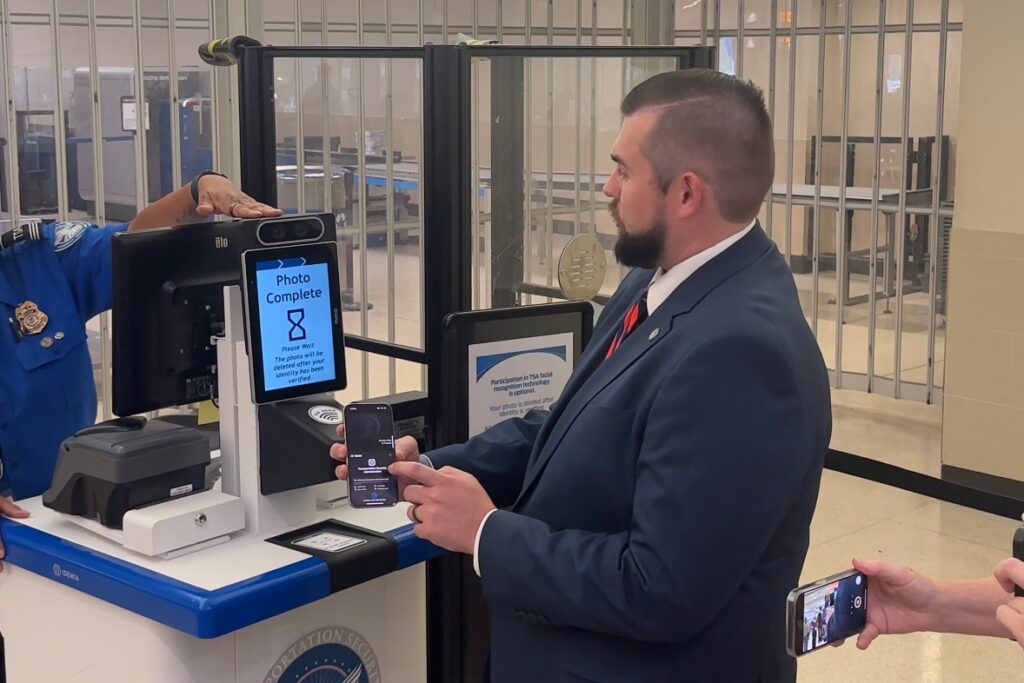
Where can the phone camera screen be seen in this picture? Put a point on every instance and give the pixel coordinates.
(369, 434)
(834, 612)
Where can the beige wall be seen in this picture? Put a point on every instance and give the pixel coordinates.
(983, 422)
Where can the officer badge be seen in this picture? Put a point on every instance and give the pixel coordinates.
(31, 319)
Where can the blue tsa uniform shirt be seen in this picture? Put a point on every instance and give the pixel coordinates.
(48, 290)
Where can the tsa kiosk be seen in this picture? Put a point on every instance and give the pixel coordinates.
(147, 559)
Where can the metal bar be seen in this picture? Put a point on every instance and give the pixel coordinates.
(549, 225)
(937, 180)
(106, 388)
(625, 23)
(593, 121)
(875, 188)
(14, 197)
(364, 319)
(475, 180)
(816, 227)
(390, 207)
(716, 17)
(341, 52)
(300, 132)
(739, 38)
(842, 257)
(704, 21)
(326, 161)
(902, 216)
(60, 130)
(141, 156)
(791, 133)
(579, 115)
(394, 351)
(499, 20)
(444, 22)
(258, 128)
(528, 288)
(772, 56)
(172, 61)
(528, 155)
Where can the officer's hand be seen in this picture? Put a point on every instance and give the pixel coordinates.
(406, 450)
(220, 195)
(9, 509)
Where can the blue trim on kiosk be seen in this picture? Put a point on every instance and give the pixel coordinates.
(195, 611)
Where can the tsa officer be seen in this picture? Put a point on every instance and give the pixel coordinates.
(52, 280)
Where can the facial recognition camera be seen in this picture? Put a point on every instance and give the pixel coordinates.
(281, 231)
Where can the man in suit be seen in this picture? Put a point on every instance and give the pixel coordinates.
(650, 526)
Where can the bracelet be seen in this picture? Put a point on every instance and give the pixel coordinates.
(195, 184)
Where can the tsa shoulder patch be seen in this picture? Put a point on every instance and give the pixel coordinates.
(66, 234)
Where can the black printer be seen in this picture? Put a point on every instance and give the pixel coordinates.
(105, 470)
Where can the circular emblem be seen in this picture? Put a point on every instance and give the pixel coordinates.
(56, 569)
(333, 654)
(581, 268)
(31, 319)
(328, 415)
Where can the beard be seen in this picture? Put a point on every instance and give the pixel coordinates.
(641, 250)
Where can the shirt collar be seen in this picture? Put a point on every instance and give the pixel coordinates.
(664, 283)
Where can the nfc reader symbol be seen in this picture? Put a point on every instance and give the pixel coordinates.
(295, 317)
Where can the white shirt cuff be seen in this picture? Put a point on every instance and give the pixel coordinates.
(476, 544)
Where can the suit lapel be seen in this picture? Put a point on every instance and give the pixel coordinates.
(596, 373)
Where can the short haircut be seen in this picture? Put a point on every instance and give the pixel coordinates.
(715, 125)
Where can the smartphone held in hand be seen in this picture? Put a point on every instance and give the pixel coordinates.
(826, 611)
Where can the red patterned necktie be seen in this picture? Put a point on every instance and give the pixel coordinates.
(636, 314)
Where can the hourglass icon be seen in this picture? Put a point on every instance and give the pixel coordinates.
(295, 317)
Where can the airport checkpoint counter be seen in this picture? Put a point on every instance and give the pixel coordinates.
(75, 607)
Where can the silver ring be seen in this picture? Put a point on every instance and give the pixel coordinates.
(231, 209)
(415, 517)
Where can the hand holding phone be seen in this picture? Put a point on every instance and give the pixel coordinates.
(370, 441)
(826, 611)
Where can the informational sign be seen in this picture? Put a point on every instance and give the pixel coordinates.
(510, 378)
(295, 323)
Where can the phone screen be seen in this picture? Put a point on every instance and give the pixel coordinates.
(370, 437)
(832, 612)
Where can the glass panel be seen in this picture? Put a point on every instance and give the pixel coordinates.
(77, 94)
(896, 12)
(35, 106)
(809, 12)
(570, 119)
(155, 59)
(115, 50)
(195, 102)
(927, 11)
(728, 16)
(757, 13)
(688, 15)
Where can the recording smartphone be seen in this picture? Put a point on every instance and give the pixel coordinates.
(1018, 552)
(826, 611)
(370, 438)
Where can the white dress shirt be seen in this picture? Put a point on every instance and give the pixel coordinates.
(662, 285)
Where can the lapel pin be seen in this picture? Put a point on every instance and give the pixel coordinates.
(653, 334)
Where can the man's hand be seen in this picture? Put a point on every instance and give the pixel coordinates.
(220, 195)
(406, 450)
(9, 509)
(899, 600)
(448, 505)
(1010, 574)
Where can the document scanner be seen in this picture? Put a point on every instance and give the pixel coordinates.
(141, 483)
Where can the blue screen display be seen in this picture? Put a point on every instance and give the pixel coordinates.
(295, 323)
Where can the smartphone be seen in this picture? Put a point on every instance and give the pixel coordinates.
(370, 437)
(826, 611)
(1018, 552)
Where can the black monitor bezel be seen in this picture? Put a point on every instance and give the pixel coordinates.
(318, 252)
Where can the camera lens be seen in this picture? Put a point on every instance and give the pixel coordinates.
(302, 230)
(277, 232)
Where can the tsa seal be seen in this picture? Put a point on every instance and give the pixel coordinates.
(328, 415)
(65, 235)
(332, 654)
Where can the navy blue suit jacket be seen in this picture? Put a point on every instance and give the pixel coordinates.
(654, 521)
